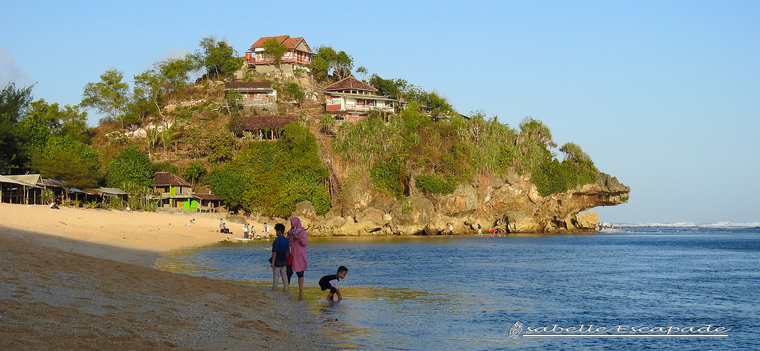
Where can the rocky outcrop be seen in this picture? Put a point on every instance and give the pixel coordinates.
(511, 203)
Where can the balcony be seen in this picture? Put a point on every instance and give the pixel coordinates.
(268, 60)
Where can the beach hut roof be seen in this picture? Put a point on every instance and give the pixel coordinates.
(168, 178)
(28, 179)
(13, 180)
(207, 197)
(111, 191)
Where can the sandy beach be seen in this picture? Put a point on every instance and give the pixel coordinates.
(81, 279)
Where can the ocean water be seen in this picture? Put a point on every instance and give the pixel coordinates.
(469, 293)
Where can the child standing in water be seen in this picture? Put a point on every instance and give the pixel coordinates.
(279, 261)
(331, 282)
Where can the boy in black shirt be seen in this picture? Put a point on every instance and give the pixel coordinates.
(331, 282)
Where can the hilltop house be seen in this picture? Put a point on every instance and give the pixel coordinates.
(298, 55)
(350, 99)
(256, 94)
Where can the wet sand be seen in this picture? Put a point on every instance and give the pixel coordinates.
(77, 279)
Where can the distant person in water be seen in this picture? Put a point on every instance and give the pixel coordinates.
(279, 260)
(299, 239)
(331, 282)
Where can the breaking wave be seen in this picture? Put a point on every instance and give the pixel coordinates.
(696, 225)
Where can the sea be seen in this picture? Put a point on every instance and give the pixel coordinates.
(647, 286)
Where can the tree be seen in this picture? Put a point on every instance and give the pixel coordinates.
(228, 184)
(72, 162)
(109, 96)
(363, 71)
(194, 172)
(68, 120)
(395, 88)
(274, 48)
(218, 57)
(327, 59)
(150, 85)
(435, 104)
(131, 167)
(177, 71)
(167, 135)
(13, 102)
(234, 99)
(537, 131)
(574, 153)
(293, 91)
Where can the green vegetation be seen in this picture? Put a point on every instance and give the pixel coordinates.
(450, 152)
(272, 177)
(131, 168)
(330, 63)
(70, 161)
(430, 184)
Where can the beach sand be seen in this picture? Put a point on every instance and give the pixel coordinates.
(81, 279)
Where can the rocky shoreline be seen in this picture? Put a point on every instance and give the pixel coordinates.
(511, 203)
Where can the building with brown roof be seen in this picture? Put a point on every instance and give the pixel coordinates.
(208, 202)
(265, 127)
(257, 94)
(298, 55)
(350, 99)
(173, 191)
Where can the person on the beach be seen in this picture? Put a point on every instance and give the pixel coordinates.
(279, 260)
(299, 239)
(331, 282)
(245, 231)
(451, 229)
(54, 206)
(480, 231)
(253, 233)
(221, 226)
(266, 231)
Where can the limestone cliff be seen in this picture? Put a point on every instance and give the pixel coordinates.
(511, 203)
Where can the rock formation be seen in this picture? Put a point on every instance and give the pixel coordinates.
(511, 203)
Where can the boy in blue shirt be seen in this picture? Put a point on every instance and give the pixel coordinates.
(279, 260)
(331, 282)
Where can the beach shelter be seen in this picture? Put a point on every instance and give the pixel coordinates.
(21, 189)
(112, 194)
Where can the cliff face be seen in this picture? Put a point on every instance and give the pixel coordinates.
(511, 203)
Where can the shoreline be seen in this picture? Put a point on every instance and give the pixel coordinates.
(76, 279)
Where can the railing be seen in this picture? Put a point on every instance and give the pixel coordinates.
(364, 108)
(283, 60)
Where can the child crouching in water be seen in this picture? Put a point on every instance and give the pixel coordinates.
(331, 282)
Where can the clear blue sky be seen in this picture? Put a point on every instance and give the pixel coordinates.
(664, 95)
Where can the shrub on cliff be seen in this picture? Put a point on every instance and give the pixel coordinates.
(557, 177)
(430, 184)
(272, 177)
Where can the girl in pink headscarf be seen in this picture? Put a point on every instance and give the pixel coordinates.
(298, 240)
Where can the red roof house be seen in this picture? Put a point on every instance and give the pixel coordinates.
(298, 55)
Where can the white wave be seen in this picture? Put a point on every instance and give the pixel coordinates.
(697, 225)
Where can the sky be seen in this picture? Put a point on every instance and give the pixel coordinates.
(663, 95)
